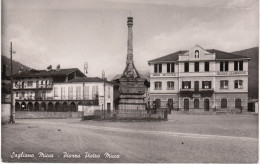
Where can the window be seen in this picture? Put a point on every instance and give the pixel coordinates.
(70, 91)
(22, 94)
(238, 65)
(29, 83)
(62, 93)
(37, 84)
(86, 94)
(206, 66)
(224, 84)
(78, 92)
(223, 103)
(160, 68)
(186, 85)
(186, 67)
(108, 92)
(55, 91)
(238, 84)
(158, 85)
(197, 67)
(42, 82)
(197, 54)
(170, 67)
(170, 85)
(94, 91)
(224, 66)
(157, 68)
(235, 65)
(237, 103)
(16, 94)
(206, 84)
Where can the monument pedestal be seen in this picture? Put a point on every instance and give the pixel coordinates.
(132, 94)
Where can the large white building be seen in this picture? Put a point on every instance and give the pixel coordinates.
(199, 79)
(60, 90)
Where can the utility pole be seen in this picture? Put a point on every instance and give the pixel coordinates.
(12, 116)
(85, 72)
(103, 77)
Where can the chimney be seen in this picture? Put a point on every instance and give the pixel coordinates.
(130, 40)
(49, 67)
(58, 67)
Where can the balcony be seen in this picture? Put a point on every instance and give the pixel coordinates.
(23, 87)
(196, 92)
(44, 86)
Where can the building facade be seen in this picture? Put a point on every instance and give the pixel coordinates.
(60, 90)
(199, 79)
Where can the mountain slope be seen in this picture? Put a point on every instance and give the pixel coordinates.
(253, 53)
(16, 65)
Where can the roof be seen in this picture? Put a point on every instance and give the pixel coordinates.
(87, 79)
(220, 55)
(41, 73)
(226, 55)
(171, 57)
(118, 76)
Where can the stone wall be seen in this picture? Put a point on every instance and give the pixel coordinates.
(47, 115)
(5, 113)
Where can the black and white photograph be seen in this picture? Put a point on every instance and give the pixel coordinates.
(129, 81)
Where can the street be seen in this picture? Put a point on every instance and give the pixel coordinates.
(184, 138)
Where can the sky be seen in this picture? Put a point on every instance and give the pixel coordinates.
(72, 32)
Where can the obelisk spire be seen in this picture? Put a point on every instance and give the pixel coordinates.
(129, 58)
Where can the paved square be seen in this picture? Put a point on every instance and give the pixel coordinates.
(184, 138)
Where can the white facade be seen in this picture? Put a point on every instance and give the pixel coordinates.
(199, 74)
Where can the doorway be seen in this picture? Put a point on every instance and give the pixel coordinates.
(186, 104)
(206, 104)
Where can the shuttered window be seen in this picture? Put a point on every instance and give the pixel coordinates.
(70, 91)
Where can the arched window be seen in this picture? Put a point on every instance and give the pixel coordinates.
(197, 54)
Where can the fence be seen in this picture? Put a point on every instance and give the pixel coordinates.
(131, 114)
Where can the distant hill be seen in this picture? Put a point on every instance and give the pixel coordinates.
(253, 53)
(16, 65)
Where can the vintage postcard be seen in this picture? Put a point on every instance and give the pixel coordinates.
(129, 81)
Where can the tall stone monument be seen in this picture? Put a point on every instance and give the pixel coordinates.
(131, 87)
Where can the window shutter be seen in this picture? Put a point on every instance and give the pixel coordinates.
(172, 69)
(155, 68)
(240, 65)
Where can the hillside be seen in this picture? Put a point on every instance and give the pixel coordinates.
(16, 65)
(253, 53)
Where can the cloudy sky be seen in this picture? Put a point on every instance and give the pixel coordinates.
(71, 32)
